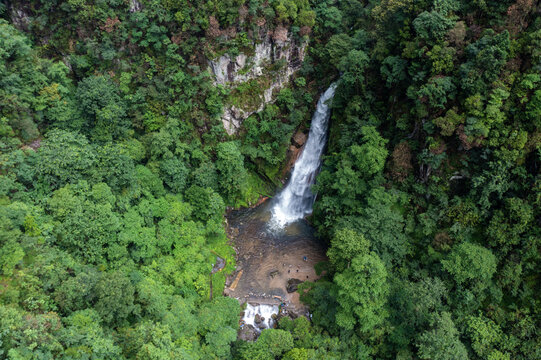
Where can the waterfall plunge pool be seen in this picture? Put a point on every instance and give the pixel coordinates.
(275, 245)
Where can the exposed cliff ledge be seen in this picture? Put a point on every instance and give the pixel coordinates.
(255, 78)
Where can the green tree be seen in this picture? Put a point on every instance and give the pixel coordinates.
(370, 156)
(103, 110)
(471, 265)
(362, 293)
(71, 207)
(114, 298)
(231, 172)
(64, 157)
(345, 245)
(486, 58)
(83, 336)
(206, 203)
(175, 174)
(432, 26)
(485, 335)
(77, 293)
(442, 341)
(506, 227)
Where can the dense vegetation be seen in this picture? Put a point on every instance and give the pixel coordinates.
(115, 173)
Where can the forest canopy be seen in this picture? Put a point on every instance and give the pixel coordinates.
(116, 172)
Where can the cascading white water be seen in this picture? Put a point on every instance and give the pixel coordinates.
(265, 313)
(296, 199)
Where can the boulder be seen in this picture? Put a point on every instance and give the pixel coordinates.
(247, 333)
(292, 285)
(299, 139)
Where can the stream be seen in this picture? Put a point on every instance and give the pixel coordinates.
(276, 247)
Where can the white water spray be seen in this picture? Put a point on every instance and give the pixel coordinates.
(296, 199)
(265, 313)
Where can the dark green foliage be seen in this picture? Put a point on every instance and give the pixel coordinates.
(231, 171)
(102, 108)
(441, 342)
(115, 173)
(485, 59)
(64, 157)
(206, 203)
(444, 88)
(114, 298)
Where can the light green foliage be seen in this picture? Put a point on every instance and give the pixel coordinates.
(298, 354)
(83, 336)
(71, 207)
(271, 344)
(471, 265)
(275, 341)
(147, 183)
(12, 217)
(449, 122)
(218, 322)
(11, 254)
(362, 292)
(442, 59)
(345, 245)
(485, 334)
(369, 158)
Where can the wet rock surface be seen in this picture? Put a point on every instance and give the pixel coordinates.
(299, 139)
(293, 284)
(218, 265)
(267, 259)
(248, 333)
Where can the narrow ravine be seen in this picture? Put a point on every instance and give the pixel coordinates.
(276, 247)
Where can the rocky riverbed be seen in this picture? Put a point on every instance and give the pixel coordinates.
(270, 262)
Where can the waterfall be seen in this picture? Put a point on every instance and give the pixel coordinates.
(296, 199)
(260, 316)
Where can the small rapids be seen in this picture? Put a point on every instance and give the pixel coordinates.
(264, 320)
(296, 199)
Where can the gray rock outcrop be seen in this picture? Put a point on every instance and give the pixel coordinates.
(275, 57)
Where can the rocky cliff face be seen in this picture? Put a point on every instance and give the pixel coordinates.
(256, 77)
